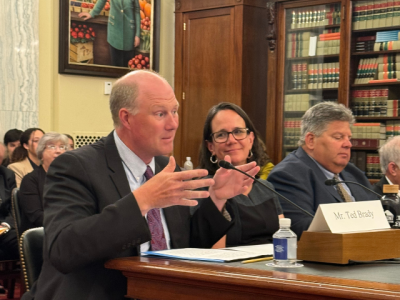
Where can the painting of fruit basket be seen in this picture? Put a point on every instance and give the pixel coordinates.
(108, 37)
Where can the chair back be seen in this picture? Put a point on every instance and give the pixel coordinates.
(16, 212)
(31, 254)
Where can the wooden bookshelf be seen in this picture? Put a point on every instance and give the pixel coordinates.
(370, 53)
(374, 84)
(358, 31)
(316, 57)
(281, 76)
(315, 28)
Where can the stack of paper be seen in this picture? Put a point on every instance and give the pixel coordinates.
(216, 255)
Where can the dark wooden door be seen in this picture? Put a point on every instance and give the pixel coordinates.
(209, 63)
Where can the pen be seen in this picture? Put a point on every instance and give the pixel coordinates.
(256, 260)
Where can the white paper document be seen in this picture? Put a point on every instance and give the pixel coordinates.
(264, 249)
(216, 255)
(313, 46)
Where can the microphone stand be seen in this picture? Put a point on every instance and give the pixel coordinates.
(224, 164)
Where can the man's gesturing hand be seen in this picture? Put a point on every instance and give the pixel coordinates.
(230, 183)
(169, 188)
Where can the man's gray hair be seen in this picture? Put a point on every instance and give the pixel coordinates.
(317, 118)
(123, 95)
(47, 139)
(390, 152)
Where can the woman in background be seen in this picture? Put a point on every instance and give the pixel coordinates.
(11, 141)
(229, 131)
(24, 158)
(51, 145)
(71, 142)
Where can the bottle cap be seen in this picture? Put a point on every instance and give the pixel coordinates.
(188, 158)
(390, 188)
(284, 222)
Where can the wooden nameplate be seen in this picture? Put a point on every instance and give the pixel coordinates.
(339, 248)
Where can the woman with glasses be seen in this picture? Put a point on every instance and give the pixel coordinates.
(51, 145)
(228, 131)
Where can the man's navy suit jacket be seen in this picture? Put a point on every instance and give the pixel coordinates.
(299, 178)
(91, 215)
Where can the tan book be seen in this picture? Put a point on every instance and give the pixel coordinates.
(363, 14)
(389, 12)
(370, 15)
(376, 14)
(356, 15)
(396, 13)
(383, 20)
(359, 71)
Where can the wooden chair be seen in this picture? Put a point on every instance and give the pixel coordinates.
(10, 272)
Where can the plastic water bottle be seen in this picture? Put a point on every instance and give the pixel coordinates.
(285, 245)
(188, 165)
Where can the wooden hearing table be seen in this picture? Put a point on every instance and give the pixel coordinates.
(170, 279)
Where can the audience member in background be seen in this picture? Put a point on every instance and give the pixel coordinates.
(229, 131)
(323, 153)
(3, 152)
(24, 158)
(51, 145)
(101, 200)
(11, 141)
(8, 239)
(390, 161)
(71, 143)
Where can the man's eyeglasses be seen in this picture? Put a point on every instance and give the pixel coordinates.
(222, 136)
(54, 147)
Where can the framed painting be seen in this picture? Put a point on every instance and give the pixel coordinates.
(108, 37)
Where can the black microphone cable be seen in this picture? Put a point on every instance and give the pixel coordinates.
(226, 165)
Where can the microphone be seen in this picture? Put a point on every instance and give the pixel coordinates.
(333, 181)
(226, 165)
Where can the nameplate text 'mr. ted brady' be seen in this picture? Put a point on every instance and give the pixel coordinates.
(349, 217)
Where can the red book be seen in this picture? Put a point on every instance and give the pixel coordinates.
(366, 38)
(382, 81)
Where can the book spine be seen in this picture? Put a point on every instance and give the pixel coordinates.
(389, 13)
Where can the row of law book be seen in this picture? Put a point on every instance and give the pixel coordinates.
(291, 132)
(299, 76)
(382, 41)
(369, 131)
(325, 75)
(392, 129)
(389, 108)
(377, 68)
(375, 14)
(373, 135)
(375, 131)
(368, 163)
(300, 102)
(373, 166)
(387, 40)
(317, 16)
(314, 76)
(365, 43)
(371, 102)
(305, 44)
